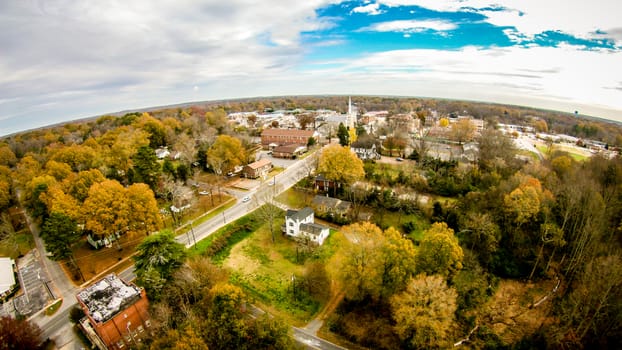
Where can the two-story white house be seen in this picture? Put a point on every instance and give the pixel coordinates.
(300, 224)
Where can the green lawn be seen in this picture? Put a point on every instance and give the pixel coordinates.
(295, 199)
(268, 271)
(20, 245)
(388, 219)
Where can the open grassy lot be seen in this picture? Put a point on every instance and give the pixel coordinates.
(270, 271)
(20, 244)
(295, 198)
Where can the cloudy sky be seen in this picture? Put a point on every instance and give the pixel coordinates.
(62, 60)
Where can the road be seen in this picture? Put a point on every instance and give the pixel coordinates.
(57, 327)
(286, 179)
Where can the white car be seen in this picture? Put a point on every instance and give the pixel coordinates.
(246, 199)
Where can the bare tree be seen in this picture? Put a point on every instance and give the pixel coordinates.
(268, 207)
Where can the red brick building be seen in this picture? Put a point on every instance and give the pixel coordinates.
(116, 313)
(280, 137)
(288, 151)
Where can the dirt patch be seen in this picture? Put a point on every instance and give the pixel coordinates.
(92, 261)
(238, 261)
(244, 184)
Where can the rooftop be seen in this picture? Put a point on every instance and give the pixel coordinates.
(312, 229)
(7, 277)
(299, 214)
(260, 163)
(107, 297)
(288, 132)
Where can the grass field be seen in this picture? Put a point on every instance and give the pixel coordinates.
(268, 270)
(295, 199)
(19, 245)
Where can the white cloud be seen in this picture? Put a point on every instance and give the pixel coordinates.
(563, 78)
(530, 17)
(411, 26)
(370, 9)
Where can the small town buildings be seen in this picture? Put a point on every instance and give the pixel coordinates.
(271, 138)
(257, 169)
(365, 151)
(7, 275)
(300, 224)
(162, 152)
(332, 207)
(323, 184)
(116, 313)
(289, 151)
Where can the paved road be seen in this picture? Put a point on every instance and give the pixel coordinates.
(290, 176)
(56, 327)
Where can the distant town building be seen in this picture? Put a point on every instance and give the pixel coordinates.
(323, 184)
(300, 224)
(257, 169)
(289, 151)
(365, 151)
(332, 207)
(162, 152)
(271, 138)
(116, 313)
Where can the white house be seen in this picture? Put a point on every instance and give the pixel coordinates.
(366, 153)
(300, 225)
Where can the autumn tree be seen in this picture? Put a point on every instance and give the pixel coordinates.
(120, 145)
(186, 338)
(7, 157)
(56, 200)
(19, 334)
(439, 251)
(341, 165)
(111, 209)
(78, 185)
(106, 210)
(305, 119)
(225, 154)
(462, 130)
(496, 152)
(58, 170)
(424, 313)
(155, 128)
(5, 194)
(157, 257)
(217, 119)
(481, 234)
(374, 263)
(143, 210)
(79, 157)
(187, 147)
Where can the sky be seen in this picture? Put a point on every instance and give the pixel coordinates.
(62, 60)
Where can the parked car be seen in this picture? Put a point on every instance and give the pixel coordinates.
(399, 159)
(246, 199)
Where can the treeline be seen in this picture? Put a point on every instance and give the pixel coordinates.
(554, 223)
